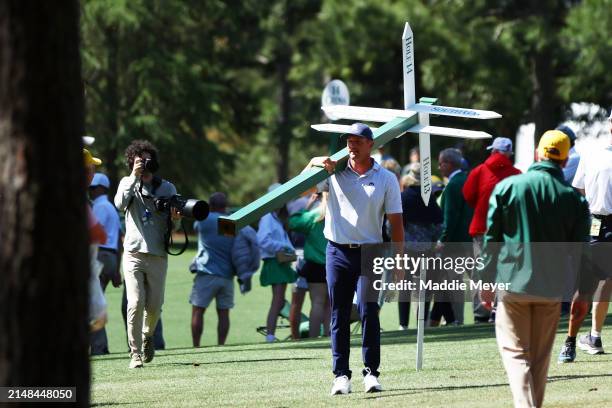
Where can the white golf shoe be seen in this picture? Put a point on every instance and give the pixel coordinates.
(371, 382)
(135, 361)
(341, 385)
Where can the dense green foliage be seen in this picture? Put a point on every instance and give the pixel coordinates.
(228, 89)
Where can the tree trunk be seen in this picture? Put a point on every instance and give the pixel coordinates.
(44, 259)
(284, 122)
(544, 101)
(283, 66)
(112, 83)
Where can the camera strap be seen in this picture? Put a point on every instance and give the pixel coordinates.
(156, 182)
(168, 241)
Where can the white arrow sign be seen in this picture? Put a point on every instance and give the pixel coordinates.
(408, 66)
(420, 128)
(366, 114)
(425, 156)
(450, 132)
(452, 111)
(385, 115)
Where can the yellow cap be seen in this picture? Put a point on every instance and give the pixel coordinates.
(89, 159)
(554, 144)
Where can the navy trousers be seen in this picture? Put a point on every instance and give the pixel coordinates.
(343, 273)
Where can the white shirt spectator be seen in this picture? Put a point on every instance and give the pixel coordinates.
(594, 176)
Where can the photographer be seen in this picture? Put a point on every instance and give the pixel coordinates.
(145, 261)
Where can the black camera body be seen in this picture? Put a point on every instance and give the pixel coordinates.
(151, 165)
(188, 207)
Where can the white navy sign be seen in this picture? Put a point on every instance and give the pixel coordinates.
(408, 66)
(451, 111)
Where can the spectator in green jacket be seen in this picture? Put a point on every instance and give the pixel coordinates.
(310, 222)
(457, 215)
(535, 207)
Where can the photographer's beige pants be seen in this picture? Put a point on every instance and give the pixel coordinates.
(525, 329)
(145, 281)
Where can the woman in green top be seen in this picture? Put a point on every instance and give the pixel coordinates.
(310, 222)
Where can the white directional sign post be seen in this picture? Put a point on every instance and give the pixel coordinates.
(425, 159)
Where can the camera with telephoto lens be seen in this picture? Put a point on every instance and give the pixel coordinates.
(188, 207)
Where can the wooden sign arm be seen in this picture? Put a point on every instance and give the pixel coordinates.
(275, 199)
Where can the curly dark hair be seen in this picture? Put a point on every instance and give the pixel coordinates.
(137, 148)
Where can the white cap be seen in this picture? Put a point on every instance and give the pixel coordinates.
(502, 144)
(100, 179)
(88, 140)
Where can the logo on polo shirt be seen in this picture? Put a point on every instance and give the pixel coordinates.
(369, 188)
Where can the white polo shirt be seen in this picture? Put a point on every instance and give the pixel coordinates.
(357, 203)
(594, 176)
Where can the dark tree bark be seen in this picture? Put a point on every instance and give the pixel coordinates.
(294, 14)
(284, 120)
(283, 67)
(544, 101)
(44, 264)
(112, 80)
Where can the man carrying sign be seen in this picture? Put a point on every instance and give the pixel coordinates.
(359, 197)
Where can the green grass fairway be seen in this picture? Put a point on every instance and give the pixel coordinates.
(462, 365)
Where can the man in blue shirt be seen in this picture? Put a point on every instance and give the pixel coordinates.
(214, 273)
(106, 214)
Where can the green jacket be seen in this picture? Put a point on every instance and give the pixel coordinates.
(457, 213)
(306, 223)
(535, 215)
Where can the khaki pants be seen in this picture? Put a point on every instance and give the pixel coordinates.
(145, 280)
(525, 328)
